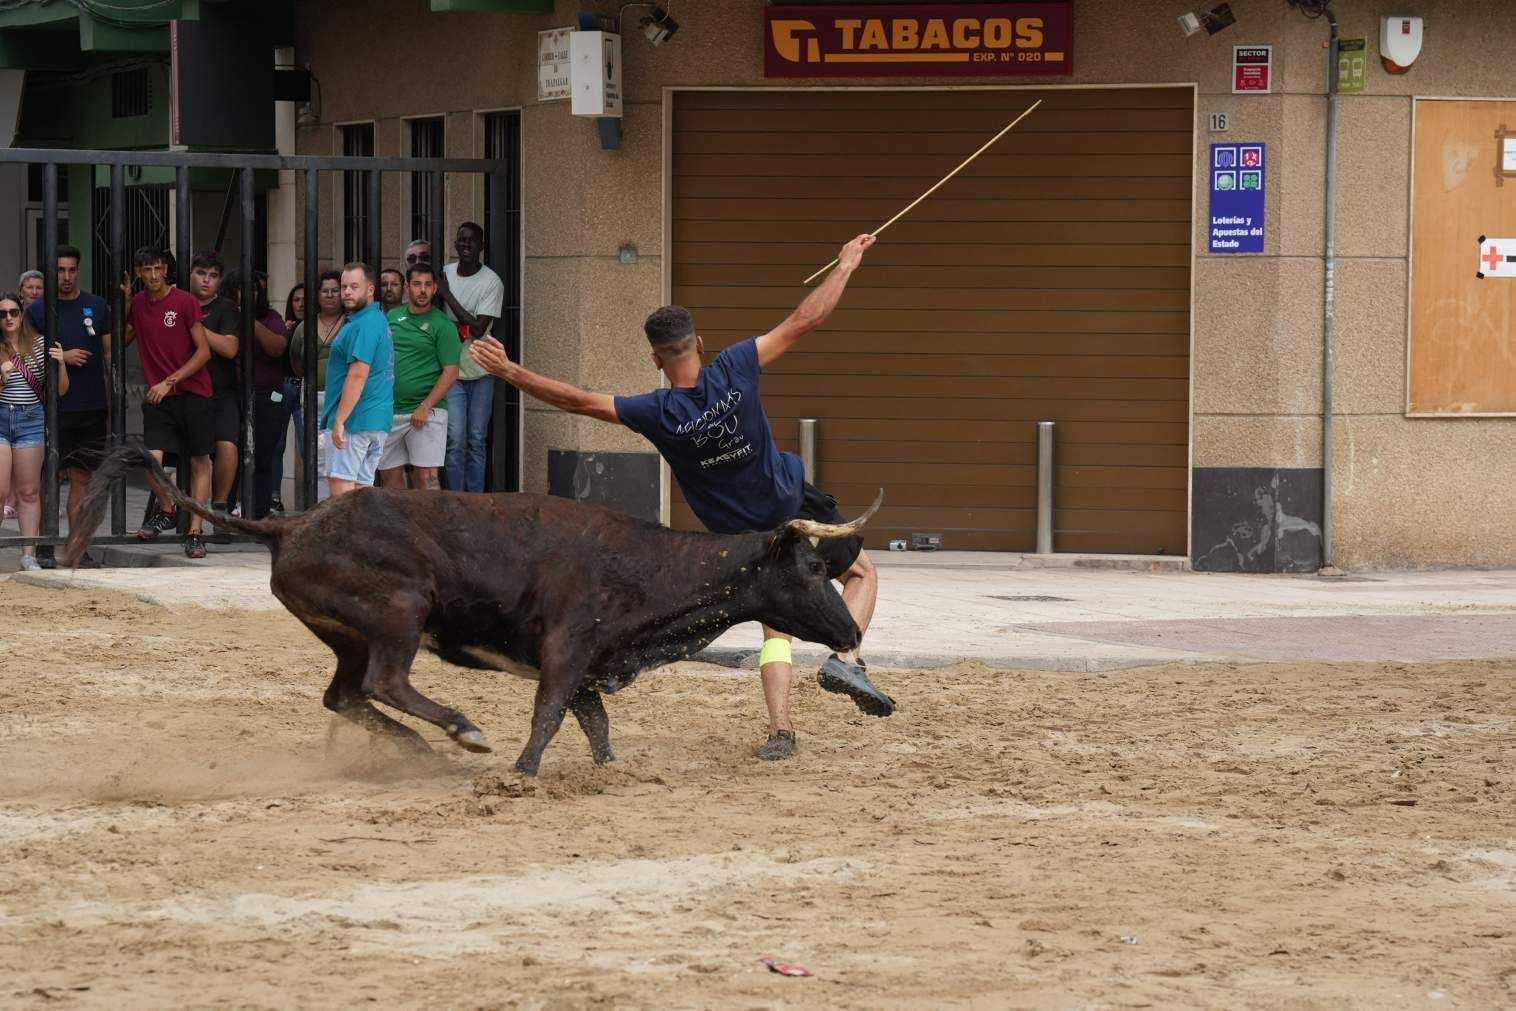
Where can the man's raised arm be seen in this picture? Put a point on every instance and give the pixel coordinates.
(818, 305)
(490, 354)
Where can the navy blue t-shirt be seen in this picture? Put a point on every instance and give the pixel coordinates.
(86, 384)
(717, 441)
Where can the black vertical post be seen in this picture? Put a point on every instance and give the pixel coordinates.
(119, 267)
(184, 224)
(438, 237)
(308, 354)
(375, 251)
(49, 367)
(504, 434)
(249, 296)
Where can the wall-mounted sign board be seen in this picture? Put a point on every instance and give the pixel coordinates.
(919, 40)
(1237, 201)
(1252, 70)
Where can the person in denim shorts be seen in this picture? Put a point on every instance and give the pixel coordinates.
(360, 385)
(21, 416)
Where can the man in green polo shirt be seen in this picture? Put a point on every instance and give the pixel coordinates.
(426, 366)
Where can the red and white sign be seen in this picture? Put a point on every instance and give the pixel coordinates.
(1497, 257)
(1252, 70)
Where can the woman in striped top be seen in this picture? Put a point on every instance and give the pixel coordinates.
(21, 421)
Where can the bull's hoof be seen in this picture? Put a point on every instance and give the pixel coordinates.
(471, 739)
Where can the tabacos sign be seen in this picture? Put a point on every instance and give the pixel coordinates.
(940, 40)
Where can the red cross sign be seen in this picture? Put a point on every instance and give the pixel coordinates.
(1497, 257)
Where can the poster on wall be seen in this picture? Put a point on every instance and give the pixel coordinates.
(553, 64)
(919, 40)
(1237, 188)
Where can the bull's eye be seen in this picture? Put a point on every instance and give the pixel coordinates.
(817, 567)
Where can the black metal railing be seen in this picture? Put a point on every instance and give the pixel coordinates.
(499, 177)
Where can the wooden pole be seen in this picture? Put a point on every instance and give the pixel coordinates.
(939, 182)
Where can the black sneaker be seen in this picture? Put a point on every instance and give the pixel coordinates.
(852, 680)
(45, 556)
(779, 746)
(159, 523)
(275, 508)
(194, 546)
(88, 561)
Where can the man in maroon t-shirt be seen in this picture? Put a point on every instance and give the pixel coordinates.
(176, 410)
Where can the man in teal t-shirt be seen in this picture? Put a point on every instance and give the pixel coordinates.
(426, 366)
(360, 385)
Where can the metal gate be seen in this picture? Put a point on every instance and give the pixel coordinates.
(500, 177)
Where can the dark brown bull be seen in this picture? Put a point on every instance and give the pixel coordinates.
(578, 597)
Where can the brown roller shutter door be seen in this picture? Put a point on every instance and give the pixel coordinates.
(1050, 280)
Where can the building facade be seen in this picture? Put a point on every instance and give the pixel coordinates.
(1068, 275)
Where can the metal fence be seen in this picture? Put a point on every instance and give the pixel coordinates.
(499, 177)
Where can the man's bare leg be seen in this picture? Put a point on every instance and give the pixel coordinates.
(425, 477)
(200, 487)
(225, 472)
(392, 477)
(165, 504)
(341, 486)
(78, 483)
(860, 592)
(776, 686)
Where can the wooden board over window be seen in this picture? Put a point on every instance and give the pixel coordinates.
(1462, 353)
(1049, 281)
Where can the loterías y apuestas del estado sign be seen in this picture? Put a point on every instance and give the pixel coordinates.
(937, 40)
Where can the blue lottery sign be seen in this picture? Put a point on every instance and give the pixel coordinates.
(1237, 198)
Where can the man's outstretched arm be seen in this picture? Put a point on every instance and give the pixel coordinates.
(490, 354)
(818, 305)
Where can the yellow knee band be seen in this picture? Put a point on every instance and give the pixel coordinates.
(774, 651)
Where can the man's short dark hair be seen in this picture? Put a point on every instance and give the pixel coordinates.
(146, 256)
(420, 268)
(669, 326)
(70, 253)
(329, 275)
(368, 272)
(392, 270)
(475, 228)
(208, 259)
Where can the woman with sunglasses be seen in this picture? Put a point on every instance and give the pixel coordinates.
(21, 416)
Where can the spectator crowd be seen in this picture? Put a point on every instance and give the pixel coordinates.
(400, 401)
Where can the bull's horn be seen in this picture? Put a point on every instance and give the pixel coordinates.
(810, 528)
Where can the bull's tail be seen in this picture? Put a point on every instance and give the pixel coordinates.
(116, 464)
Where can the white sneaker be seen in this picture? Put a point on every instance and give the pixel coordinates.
(30, 564)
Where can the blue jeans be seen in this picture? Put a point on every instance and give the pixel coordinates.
(21, 427)
(297, 412)
(469, 403)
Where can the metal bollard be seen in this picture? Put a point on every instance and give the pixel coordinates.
(808, 447)
(1045, 487)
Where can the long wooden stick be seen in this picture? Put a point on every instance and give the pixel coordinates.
(944, 179)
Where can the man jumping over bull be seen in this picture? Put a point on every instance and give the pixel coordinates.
(710, 427)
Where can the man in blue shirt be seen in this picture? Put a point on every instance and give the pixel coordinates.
(360, 385)
(711, 428)
(84, 327)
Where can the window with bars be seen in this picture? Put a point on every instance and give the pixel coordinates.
(131, 93)
(426, 142)
(357, 142)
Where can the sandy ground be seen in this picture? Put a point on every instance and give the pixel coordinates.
(181, 824)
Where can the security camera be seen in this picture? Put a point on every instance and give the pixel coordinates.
(1213, 20)
(659, 27)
